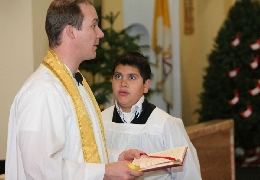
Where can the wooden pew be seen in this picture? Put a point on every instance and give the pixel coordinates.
(214, 142)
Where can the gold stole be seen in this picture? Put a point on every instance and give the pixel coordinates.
(89, 146)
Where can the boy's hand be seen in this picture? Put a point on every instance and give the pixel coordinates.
(130, 155)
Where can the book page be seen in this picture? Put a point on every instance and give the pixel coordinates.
(176, 153)
(146, 161)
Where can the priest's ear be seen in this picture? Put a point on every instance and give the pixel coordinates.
(69, 30)
(147, 85)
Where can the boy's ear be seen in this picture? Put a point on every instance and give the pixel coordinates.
(147, 84)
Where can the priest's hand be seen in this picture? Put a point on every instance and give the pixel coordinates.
(120, 171)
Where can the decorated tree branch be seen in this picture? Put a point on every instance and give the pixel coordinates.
(232, 79)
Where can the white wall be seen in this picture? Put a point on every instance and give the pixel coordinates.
(22, 46)
(16, 56)
(141, 12)
(40, 40)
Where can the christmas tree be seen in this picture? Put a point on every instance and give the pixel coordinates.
(232, 80)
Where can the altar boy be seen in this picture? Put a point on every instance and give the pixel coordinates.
(133, 122)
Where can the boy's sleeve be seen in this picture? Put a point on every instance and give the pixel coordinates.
(175, 135)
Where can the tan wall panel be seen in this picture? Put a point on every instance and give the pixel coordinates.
(208, 18)
(23, 44)
(113, 6)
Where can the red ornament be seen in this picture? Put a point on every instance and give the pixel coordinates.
(233, 73)
(247, 112)
(255, 91)
(254, 64)
(236, 41)
(256, 45)
(235, 99)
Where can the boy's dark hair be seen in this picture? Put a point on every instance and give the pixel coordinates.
(137, 60)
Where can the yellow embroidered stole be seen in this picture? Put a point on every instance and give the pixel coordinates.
(89, 146)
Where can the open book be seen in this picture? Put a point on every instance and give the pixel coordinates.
(159, 160)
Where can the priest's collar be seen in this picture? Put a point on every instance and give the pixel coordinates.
(136, 110)
(77, 76)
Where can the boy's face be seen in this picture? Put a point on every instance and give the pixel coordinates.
(128, 86)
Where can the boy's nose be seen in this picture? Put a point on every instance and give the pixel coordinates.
(123, 83)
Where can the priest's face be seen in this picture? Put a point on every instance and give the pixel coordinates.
(88, 37)
(128, 86)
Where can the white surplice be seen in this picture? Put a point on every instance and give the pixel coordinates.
(161, 132)
(43, 133)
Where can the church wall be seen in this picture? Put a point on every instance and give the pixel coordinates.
(23, 43)
(16, 56)
(208, 18)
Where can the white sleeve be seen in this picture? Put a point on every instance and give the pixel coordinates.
(39, 165)
(175, 135)
(41, 132)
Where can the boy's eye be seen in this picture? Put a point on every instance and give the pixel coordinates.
(117, 76)
(132, 77)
